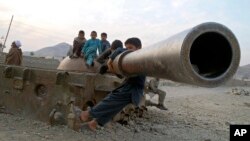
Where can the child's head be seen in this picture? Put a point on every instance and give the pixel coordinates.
(133, 44)
(93, 35)
(81, 34)
(115, 44)
(104, 36)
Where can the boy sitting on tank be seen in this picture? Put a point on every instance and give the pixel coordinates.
(90, 48)
(103, 58)
(130, 91)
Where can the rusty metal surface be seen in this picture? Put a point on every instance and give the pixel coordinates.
(76, 64)
(205, 55)
(35, 93)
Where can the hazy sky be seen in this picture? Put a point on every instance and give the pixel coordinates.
(42, 23)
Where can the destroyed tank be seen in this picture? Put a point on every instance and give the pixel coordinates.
(206, 55)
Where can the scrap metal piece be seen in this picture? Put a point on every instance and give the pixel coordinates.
(8, 72)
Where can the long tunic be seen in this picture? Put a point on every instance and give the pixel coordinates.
(14, 57)
(78, 43)
(89, 50)
(104, 46)
(91, 46)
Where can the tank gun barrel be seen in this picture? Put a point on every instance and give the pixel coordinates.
(205, 55)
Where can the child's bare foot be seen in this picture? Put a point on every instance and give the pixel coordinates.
(84, 116)
(92, 125)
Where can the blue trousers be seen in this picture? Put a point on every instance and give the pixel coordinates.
(90, 59)
(105, 110)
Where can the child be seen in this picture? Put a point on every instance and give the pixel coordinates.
(102, 58)
(90, 48)
(104, 43)
(153, 88)
(130, 91)
(78, 43)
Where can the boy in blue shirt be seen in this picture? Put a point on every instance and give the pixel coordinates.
(104, 43)
(130, 91)
(90, 48)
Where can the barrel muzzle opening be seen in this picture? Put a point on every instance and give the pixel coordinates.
(211, 55)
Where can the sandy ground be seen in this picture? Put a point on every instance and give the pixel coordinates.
(195, 114)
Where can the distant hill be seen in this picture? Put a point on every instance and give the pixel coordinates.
(59, 50)
(243, 72)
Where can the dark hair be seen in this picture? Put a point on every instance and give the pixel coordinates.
(115, 44)
(134, 41)
(104, 34)
(81, 32)
(94, 32)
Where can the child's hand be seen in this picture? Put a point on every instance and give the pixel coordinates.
(111, 70)
(82, 55)
(110, 66)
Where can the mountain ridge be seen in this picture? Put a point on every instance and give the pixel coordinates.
(58, 50)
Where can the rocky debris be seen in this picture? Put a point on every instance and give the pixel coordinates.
(240, 91)
(129, 113)
(247, 104)
(170, 83)
(194, 114)
(4, 110)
